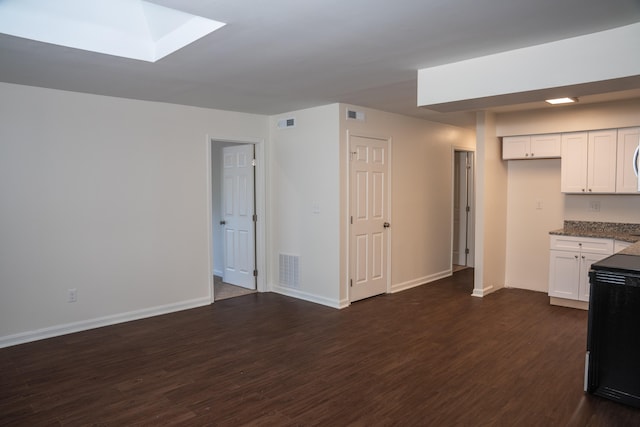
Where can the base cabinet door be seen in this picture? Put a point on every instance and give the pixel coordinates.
(564, 274)
(586, 259)
(570, 260)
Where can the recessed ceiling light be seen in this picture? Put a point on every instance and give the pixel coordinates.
(561, 101)
(134, 29)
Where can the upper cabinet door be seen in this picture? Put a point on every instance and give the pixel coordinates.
(545, 146)
(573, 170)
(601, 169)
(531, 146)
(626, 179)
(516, 147)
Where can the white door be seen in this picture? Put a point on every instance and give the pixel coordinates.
(601, 177)
(585, 265)
(463, 209)
(564, 274)
(237, 215)
(369, 204)
(458, 204)
(573, 168)
(626, 179)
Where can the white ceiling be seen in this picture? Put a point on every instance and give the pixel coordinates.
(278, 56)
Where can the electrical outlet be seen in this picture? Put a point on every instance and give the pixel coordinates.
(538, 204)
(594, 206)
(72, 295)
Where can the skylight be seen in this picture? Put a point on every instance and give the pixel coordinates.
(133, 29)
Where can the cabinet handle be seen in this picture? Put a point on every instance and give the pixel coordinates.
(532, 154)
(526, 154)
(576, 256)
(582, 256)
(583, 190)
(590, 190)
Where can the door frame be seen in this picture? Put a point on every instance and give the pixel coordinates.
(472, 202)
(260, 197)
(347, 258)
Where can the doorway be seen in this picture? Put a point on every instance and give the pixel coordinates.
(369, 194)
(237, 195)
(463, 252)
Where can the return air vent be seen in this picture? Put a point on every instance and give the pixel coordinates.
(290, 271)
(355, 115)
(287, 123)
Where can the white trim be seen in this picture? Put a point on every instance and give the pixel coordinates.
(68, 328)
(217, 272)
(420, 281)
(306, 296)
(482, 292)
(260, 195)
(209, 225)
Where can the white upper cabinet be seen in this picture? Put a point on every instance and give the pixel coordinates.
(601, 171)
(573, 169)
(589, 162)
(626, 179)
(531, 146)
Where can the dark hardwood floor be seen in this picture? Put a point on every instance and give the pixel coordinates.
(432, 355)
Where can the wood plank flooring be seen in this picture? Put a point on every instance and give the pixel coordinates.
(432, 355)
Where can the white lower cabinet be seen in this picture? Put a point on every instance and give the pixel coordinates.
(569, 264)
(619, 245)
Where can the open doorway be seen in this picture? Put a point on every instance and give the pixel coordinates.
(234, 219)
(463, 252)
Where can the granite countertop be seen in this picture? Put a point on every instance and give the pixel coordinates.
(625, 232)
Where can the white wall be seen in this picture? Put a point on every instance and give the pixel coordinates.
(305, 171)
(108, 196)
(535, 207)
(613, 208)
(491, 205)
(570, 118)
(421, 193)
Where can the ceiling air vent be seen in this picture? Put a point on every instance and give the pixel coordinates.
(287, 123)
(355, 115)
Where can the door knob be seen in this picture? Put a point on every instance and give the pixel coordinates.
(223, 222)
(386, 225)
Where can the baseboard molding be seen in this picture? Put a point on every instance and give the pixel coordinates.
(69, 328)
(563, 302)
(420, 281)
(296, 293)
(482, 292)
(218, 273)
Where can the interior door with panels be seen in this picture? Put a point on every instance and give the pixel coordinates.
(238, 215)
(369, 204)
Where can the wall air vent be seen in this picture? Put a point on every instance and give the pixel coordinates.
(287, 123)
(355, 115)
(289, 271)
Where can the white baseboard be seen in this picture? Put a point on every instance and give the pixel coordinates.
(296, 293)
(68, 328)
(420, 281)
(218, 273)
(482, 292)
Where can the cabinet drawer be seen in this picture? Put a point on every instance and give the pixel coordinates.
(584, 244)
